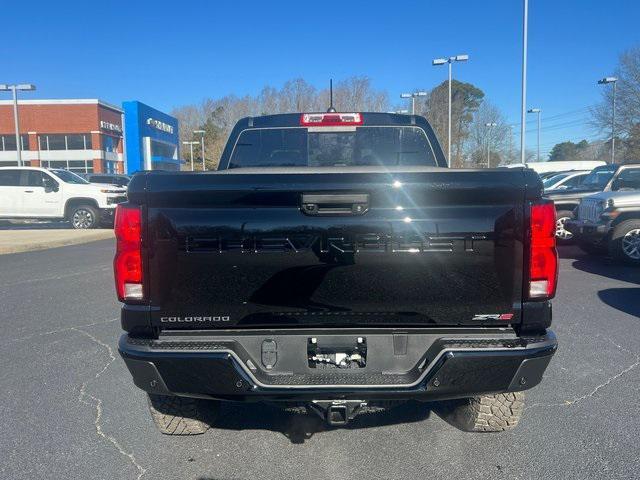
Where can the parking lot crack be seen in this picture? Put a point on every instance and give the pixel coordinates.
(88, 399)
(597, 388)
(59, 330)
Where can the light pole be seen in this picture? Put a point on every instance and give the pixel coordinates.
(490, 125)
(191, 144)
(413, 96)
(525, 21)
(538, 111)
(605, 81)
(442, 61)
(201, 132)
(14, 89)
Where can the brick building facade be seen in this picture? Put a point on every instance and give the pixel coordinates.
(81, 135)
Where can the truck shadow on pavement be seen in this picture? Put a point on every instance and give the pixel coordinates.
(299, 426)
(626, 300)
(609, 268)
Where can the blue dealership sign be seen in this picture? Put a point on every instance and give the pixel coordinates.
(151, 138)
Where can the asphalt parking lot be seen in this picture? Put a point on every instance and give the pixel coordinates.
(69, 409)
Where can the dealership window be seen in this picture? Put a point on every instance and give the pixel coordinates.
(110, 167)
(71, 141)
(8, 143)
(110, 144)
(77, 166)
(165, 150)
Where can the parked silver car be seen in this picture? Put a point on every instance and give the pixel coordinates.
(564, 180)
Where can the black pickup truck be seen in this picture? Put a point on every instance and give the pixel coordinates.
(334, 263)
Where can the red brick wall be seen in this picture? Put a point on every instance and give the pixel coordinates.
(61, 118)
(51, 118)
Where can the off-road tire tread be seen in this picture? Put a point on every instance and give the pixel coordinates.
(178, 415)
(486, 413)
(615, 245)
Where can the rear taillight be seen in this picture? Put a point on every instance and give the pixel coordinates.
(543, 256)
(127, 264)
(330, 119)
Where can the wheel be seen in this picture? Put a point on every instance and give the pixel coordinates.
(83, 217)
(563, 235)
(180, 415)
(487, 413)
(592, 248)
(625, 242)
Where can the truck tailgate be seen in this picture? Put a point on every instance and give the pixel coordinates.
(358, 247)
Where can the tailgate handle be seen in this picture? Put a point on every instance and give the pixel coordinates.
(335, 203)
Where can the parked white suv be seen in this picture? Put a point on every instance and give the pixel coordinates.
(40, 193)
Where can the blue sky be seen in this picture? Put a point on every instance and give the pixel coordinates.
(170, 53)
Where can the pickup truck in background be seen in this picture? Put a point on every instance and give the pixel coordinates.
(333, 262)
(57, 194)
(609, 222)
(606, 178)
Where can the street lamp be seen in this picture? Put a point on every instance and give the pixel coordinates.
(537, 110)
(442, 61)
(14, 89)
(490, 125)
(201, 132)
(605, 81)
(523, 106)
(413, 96)
(191, 144)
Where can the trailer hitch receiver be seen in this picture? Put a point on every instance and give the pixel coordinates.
(337, 412)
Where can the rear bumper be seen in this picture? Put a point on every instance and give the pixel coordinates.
(447, 366)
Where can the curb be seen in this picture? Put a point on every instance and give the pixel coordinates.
(21, 241)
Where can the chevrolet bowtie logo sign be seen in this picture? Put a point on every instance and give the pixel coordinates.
(158, 125)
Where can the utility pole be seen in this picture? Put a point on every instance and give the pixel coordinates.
(538, 111)
(605, 81)
(442, 61)
(14, 90)
(201, 132)
(490, 125)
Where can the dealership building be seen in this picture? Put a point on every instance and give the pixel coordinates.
(89, 136)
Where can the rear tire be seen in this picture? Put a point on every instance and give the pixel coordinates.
(180, 415)
(563, 236)
(84, 217)
(625, 242)
(486, 413)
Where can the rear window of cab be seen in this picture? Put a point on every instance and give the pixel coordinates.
(332, 146)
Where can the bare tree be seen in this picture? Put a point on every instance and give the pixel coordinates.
(465, 100)
(218, 116)
(489, 137)
(627, 104)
